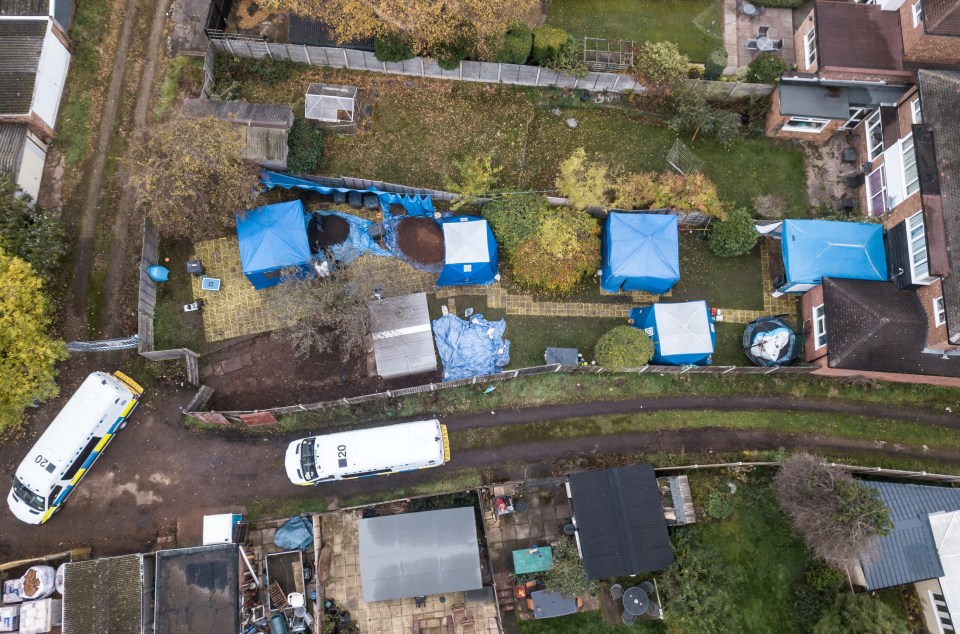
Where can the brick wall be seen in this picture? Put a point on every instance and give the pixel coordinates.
(918, 46)
(936, 335)
(810, 299)
(799, 52)
(37, 125)
(776, 121)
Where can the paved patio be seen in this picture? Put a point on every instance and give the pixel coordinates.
(738, 29)
(341, 532)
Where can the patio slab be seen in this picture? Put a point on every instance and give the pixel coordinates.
(738, 29)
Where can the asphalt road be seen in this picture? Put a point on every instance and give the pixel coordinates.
(158, 472)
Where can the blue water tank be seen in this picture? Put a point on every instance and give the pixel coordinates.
(158, 273)
(278, 624)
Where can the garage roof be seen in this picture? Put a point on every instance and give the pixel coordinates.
(402, 336)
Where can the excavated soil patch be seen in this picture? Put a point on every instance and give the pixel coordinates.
(421, 240)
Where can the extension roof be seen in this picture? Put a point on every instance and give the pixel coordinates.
(23, 8)
(874, 326)
(909, 553)
(198, 590)
(12, 138)
(620, 522)
(21, 42)
(103, 596)
(940, 95)
(853, 36)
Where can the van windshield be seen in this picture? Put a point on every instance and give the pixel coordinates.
(27, 496)
(308, 463)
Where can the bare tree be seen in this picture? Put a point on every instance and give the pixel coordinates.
(838, 517)
(318, 314)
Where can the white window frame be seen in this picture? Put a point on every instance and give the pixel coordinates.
(820, 123)
(819, 327)
(870, 123)
(910, 186)
(939, 311)
(915, 114)
(915, 258)
(883, 191)
(916, 9)
(810, 47)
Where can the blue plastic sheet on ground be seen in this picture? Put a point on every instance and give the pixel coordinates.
(358, 241)
(296, 534)
(390, 239)
(470, 348)
(414, 205)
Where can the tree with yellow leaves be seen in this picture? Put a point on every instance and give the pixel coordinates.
(427, 24)
(28, 355)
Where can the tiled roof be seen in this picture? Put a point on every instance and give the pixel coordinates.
(909, 553)
(20, 44)
(24, 7)
(620, 522)
(858, 36)
(940, 100)
(873, 326)
(102, 596)
(12, 137)
(941, 17)
(242, 113)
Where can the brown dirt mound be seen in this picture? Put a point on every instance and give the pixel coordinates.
(397, 209)
(326, 231)
(421, 240)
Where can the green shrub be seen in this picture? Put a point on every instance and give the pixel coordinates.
(860, 614)
(548, 45)
(567, 575)
(734, 236)
(717, 61)
(306, 147)
(787, 4)
(624, 347)
(270, 71)
(691, 112)
(33, 234)
(514, 219)
(814, 592)
(719, 506)
(660, 66)
(515, 45)
(668, 190)
(392, 47)
(765, 68)
(449, 54)
(476, 176)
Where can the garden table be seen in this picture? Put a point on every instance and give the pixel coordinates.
(636, 601)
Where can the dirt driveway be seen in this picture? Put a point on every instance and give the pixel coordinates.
(158, 472)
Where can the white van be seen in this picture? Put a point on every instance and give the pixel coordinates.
(71, 444)
(367, 452)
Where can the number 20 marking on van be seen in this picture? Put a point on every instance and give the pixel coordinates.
(341, 451)
(40, 460)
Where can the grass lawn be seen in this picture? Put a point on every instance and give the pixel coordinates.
(637, 20)
(172, 327)
(584, 623)
(729, 348)
(418, 127)
(722, 282)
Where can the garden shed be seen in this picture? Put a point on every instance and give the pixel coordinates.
(273, 239)
(815, 249)
(402, 336)
(470, 252)
(641, 252)
(682, 333)
(419, 554)
(264, 126)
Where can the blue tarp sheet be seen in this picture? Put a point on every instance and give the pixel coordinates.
(296, 534)
(470, 348)
(358, 241)
(414, 205)
(641, 252)
(273, 238)
(815, 249)
(682, 333)
(470, 252)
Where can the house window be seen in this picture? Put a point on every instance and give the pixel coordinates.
(917, 13)
(939, 311)
(877, 192)
(819, 326)
(805, 124)
(915, 113)
(857, 115)
(917, 247)
(911, 180)
(810, 47)
(874, 135)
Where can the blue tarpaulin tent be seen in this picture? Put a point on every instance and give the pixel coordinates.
(641, 252)
(273, 238)
(814, 249)
(682, 333)
(470, 348)
(470, 252)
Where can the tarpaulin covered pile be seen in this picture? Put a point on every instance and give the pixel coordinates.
(470, 348)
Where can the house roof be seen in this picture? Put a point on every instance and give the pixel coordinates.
(940, 97)
(832, 100)
(909, 553)
(419, 554)
(264, 115)
(198, 590)
(12, 138)
(941, 17)
(858, 36)
(874, 326)
(402, 336)
(22, 8)
(620, 522)
(103, 596)
(21, 42)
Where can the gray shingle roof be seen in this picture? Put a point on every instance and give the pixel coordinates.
(909, 553)
(267, 115)
(21, 42)
(24, 7)
(102, 596)
(12, 137)
(940, 99)
(620, 522)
